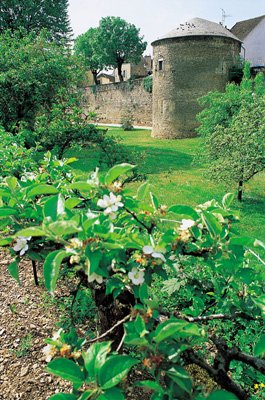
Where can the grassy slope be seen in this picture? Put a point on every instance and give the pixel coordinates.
(177, 180)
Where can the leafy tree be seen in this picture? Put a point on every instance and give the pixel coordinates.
(118, 42)
(232, 125)
(33, 71)
(85, 46)
(34, 15)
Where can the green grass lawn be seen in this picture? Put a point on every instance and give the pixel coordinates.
(176, 179)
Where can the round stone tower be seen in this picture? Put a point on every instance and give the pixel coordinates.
(189, 61)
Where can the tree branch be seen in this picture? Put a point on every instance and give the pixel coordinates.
(110, 330)
(148, 228)
(235, 353)
(218, 373)
(207, 318)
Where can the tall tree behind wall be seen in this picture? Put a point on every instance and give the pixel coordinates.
(34, 15)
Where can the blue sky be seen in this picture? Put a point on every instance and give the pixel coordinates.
(157, 17)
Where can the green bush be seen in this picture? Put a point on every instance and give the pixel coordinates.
(127, 120)
(148, 83)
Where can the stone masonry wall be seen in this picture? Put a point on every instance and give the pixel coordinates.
(192, 66)
(112, 100)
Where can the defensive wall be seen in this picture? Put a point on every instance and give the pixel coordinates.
(111, 101)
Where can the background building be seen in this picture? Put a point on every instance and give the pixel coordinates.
(252, 33)
(135, 71)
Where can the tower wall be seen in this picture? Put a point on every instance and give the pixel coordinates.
(185, 69)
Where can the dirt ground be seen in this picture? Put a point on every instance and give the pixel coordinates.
(25, 321)
(27, 318)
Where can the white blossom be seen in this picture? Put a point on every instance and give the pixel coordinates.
(149, 250)
(94, 179)
(136, 276)
(186, 224)
(28, 176)
(111, 204)
(92, 276)
(21, 244)
(75, 259)
(75, 243)
(50, 350)
(95, 277)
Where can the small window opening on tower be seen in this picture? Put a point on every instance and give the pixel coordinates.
(160, 64)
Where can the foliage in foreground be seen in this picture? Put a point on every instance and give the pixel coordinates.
(233, 128)
(117, 245)
(34, 72)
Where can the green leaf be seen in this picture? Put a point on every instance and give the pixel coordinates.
(173, 328)
(11, 182)
(66, 369)
(72, 203)
(184, 211)
(42, 189)
(32, 231)
(7, 211)
(86, 395)
(116, 171)
(228, 200)
(154, 200)
(95, 357)
(181, 378)
(150, 385)
(222, 395)
(112, 394)
(81, 186)
(143, 191)
(114, 370)
(54, 207)
(259, 349)
(13, 270)
(51, 268)
(4, 192)
(94, 258)
(242, 241)
(63, 228)
(135, 332)
(260, 301)
(6, 241)
(63, 396)
(213, 225)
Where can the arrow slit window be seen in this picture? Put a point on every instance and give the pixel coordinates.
(160, 64)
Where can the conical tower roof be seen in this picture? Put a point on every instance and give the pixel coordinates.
(198, 27)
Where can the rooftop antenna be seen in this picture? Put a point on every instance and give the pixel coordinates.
(224, 16)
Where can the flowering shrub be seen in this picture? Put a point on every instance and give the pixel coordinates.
(118, 244)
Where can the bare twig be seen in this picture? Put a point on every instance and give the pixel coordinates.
(111, 329)
(257, 256)
(121, 342)
(148, 228)
(35, 274)
(207, 318)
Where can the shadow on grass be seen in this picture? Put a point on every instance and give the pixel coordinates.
(253, 205)
(159, 160)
